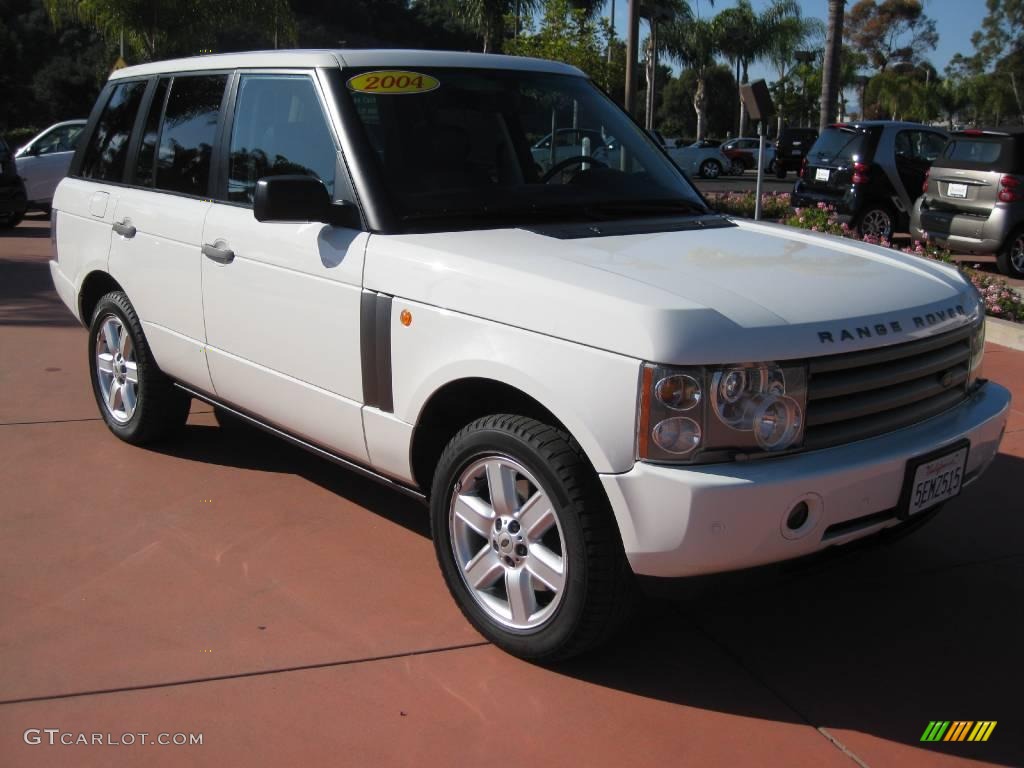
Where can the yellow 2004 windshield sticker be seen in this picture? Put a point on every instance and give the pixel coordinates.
(393, 81)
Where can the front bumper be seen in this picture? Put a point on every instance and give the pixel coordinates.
(678, 521)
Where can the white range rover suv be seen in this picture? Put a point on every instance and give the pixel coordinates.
(586, 372)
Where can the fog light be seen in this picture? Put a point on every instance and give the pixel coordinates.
(798, 516)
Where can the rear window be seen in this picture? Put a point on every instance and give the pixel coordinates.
(980, 153)
(837, 145)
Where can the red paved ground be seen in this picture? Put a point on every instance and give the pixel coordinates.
(293, 614)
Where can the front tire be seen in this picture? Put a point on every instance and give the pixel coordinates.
(710, 169)
(137, 401)
(526, 541)
(1010, 259)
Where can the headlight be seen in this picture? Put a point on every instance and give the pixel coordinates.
(713, 413)
(977, 354)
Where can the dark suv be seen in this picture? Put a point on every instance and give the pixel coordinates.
(12, 189)
(871, 172)
(791, 149)
(973, 199)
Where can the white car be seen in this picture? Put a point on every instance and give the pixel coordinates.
(44, 161)
(587, 377)
(701, 159)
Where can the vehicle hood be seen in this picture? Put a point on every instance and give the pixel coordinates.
(747, 292)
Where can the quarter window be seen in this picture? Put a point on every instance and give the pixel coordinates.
(105, 157)
(279, 128)
(188, 132)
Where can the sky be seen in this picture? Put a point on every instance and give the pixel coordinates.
(955, 21)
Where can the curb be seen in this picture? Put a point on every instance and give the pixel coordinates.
(1004, 333)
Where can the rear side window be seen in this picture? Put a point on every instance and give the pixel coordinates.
(993, 153)
(839, 145)
(188, 132)
(279, 128)
(108, 148)
(145, 170)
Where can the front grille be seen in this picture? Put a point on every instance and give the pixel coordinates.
(861, 394)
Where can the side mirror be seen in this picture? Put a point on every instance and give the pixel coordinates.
(301, 198)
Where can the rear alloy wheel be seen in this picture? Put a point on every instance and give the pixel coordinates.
(876, 221)
(710, 169)
(137, 401)
(1011, 258)
(526, 541)
(738, 168)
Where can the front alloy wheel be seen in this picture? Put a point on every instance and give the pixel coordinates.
(507, 542)
(526, 540)
(710, 169)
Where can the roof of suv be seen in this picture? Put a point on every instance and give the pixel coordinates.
(384, 57)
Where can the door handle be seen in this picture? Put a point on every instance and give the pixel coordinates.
(220, 255)
(124, 229)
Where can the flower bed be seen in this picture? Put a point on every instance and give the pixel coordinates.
(1000, 300)
(774, 205)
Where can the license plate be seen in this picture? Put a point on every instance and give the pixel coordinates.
(956, 190)
(821, 174)
(795, 152)
(934, 479)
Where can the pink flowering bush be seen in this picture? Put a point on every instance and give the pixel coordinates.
(774, 205)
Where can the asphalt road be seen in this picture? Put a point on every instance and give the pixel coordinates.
(233, 586)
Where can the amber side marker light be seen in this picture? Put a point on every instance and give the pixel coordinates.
(406, 318)
(645, 412)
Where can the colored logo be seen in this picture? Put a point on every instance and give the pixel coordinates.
(958, 730)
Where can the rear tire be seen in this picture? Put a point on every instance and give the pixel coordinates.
(137, 401)
(877, 220)
(526, 540)
(1010, 259)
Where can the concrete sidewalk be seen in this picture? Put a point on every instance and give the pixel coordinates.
(230, 585)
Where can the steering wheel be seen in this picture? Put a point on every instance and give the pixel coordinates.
(561, 165)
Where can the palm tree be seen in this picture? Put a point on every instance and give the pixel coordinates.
(792, 34)
(747, 36)
(830, 67)
(488, 17)
(657, 15)
(694, 44)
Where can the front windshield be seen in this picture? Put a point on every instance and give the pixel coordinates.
(495, 147)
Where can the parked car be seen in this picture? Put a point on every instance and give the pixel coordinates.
(355, 251)
(44, 161)
(791, 148)
(871, 172)
(973, 199)
(742, 153)
(12, 189)
(701, 158)
(575, 142)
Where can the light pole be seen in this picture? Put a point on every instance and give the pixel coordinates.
(632, 33)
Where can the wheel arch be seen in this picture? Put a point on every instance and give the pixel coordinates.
(458, 403)
(95, 286)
